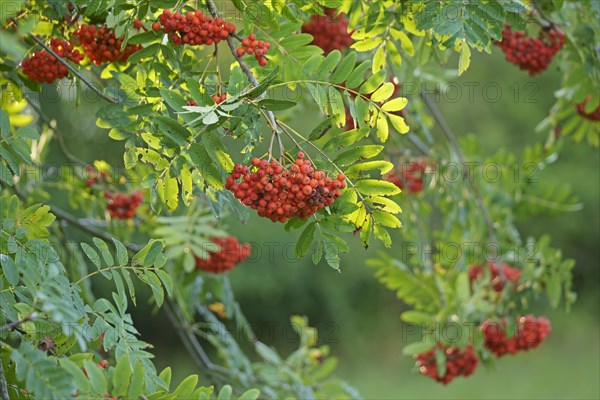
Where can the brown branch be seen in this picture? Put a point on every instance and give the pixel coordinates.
(74, 70)
(270, 116)
(3, 385)
(16, 324)
(437, 115)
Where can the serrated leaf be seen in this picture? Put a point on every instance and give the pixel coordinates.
(305, 240)
(91, 254)
(376, 187)
(373, 83)
(344, 68)
(10, 271)
(358, 153)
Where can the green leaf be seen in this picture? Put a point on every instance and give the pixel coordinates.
(4, 124)
(358, 153)
(379, 60)
(381, 165)
(394, 105)
(150, 51)
(10, 271)
(216, 150)
(386, 219)
(276, 105)
(329, 64)
(122, 256)
(373, 83)
(205, 166)
(120, 376)
(91, 254)
(262, 86)
(383, 93)
(79, 379)
(103, 247)
(344, 69)
(186, 387)
(305, 240)
(267, 354)
(398, 123)
(225, 393)
(417, 317)
(465, 57)
(296, 40)
(28, 132)
(376, 187)
(417, 348)
(358, 75)
(96, 375)
(251, 394)
(137, 386)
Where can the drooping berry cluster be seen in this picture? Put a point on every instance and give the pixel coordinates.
(193, 28)
(530, 332)
(45, 68)
(102, 46)
(592, 116)
(531, 54)
(509, 275)
(329, 32)
(458, 363)
(121, 205)
(259, 48)
(410, 176)
(230, 253)
(280, 193)
(93, 176)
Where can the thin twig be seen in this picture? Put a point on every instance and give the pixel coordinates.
(437, 115)
(74, 70)
(3, 385)
(15, 324)
(59, 136)
(212, 8)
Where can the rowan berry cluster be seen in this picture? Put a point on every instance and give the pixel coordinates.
(102, 46)
(530, 332)
(45, 68)
(280, 193)
(93, 176)
(231, 252)
(121, 205)
(531, 54)
(218, 99)
(259, 48)
(592, 116)
(458, 363)
(193, 28)
(329, 32)
(411, 176)
(509, 275)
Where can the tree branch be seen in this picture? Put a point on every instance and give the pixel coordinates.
(74, 70)
(212, 8)
(3, 385)
(437, 115)
(15, 324)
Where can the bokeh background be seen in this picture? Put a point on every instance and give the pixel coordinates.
(358, 317)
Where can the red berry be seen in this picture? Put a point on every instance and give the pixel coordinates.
(103, 364)
(592, 116)
(121, 205)
(256, 47)
(329, 32)
(101, 45)
(509, 275)
(530, 332)
(531, 54)
(45, 68)
(458, 363)
(156, 26)
(230, 253)
(411, 176)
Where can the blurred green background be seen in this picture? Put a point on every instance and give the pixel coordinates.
(359, 318)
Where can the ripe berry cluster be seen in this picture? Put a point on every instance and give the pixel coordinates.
(409, 176)
(528, 53)
(231, 253)
(193, 28)
(329, 32)
(121, 205)
(102, 46)
(592, 116)
(530, 333)
(218, 99)
(93, 176)
(279, 193)
(45, 68)
(259, 48)
(510, 275)
(458, 363)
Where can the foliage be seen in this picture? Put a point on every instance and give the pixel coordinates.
(179, 145)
